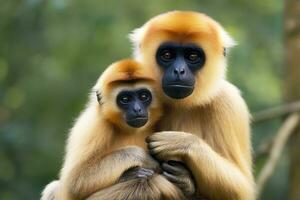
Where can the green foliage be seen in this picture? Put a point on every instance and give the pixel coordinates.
(52, 52)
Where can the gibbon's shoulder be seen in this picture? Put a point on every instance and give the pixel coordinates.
(230, 100)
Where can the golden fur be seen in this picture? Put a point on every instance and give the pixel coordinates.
(101, 146)
(213, 137)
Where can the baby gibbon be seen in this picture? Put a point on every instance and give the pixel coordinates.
(106, 155)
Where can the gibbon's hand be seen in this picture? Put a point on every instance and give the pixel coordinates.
(177, 173)
(136, 172)
(170, 145)
(137, 153)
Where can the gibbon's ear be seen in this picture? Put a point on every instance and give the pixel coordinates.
(136, 37)
(99, 97)
(228, 42)
(224, 52)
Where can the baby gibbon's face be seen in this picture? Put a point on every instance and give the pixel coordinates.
(134, 104)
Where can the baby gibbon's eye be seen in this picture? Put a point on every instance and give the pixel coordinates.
(144, 96)
(124, 99)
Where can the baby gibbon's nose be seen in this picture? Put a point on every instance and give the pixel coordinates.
(137, 109)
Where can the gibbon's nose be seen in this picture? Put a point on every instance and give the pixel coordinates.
(137, 109)
(179, 71)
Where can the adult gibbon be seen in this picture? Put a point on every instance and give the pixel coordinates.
(106, 156)
(207, 123)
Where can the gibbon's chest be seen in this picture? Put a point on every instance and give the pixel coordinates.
(190, 121)
(134, 139)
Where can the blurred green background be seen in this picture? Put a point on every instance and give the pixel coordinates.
(52, 52)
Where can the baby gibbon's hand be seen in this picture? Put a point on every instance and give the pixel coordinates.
(136, 172)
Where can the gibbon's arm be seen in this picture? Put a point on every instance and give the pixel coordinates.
(216, 177)
(155, 187)
(220, 164)
(90, 164)
(142, 183)
(97, 173)
(222, 178)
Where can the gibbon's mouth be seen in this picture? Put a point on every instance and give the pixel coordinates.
(178, 91)
(137, 122)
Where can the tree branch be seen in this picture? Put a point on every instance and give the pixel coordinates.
(280, 140)
(263, 149)
(276, 112)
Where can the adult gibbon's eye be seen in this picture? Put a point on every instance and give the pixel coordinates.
(144, 96)
(193, 57)
(167, 55)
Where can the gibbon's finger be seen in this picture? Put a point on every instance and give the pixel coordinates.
(171, 169)
(157, 150)
(172, 178)
(178, 164)
(146, 172)
(159, 136)
(141, 176)
(152, 145)
(183, 183)
(150, 139)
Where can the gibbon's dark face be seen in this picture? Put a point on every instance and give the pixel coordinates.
(134, 104)
(179, 62)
